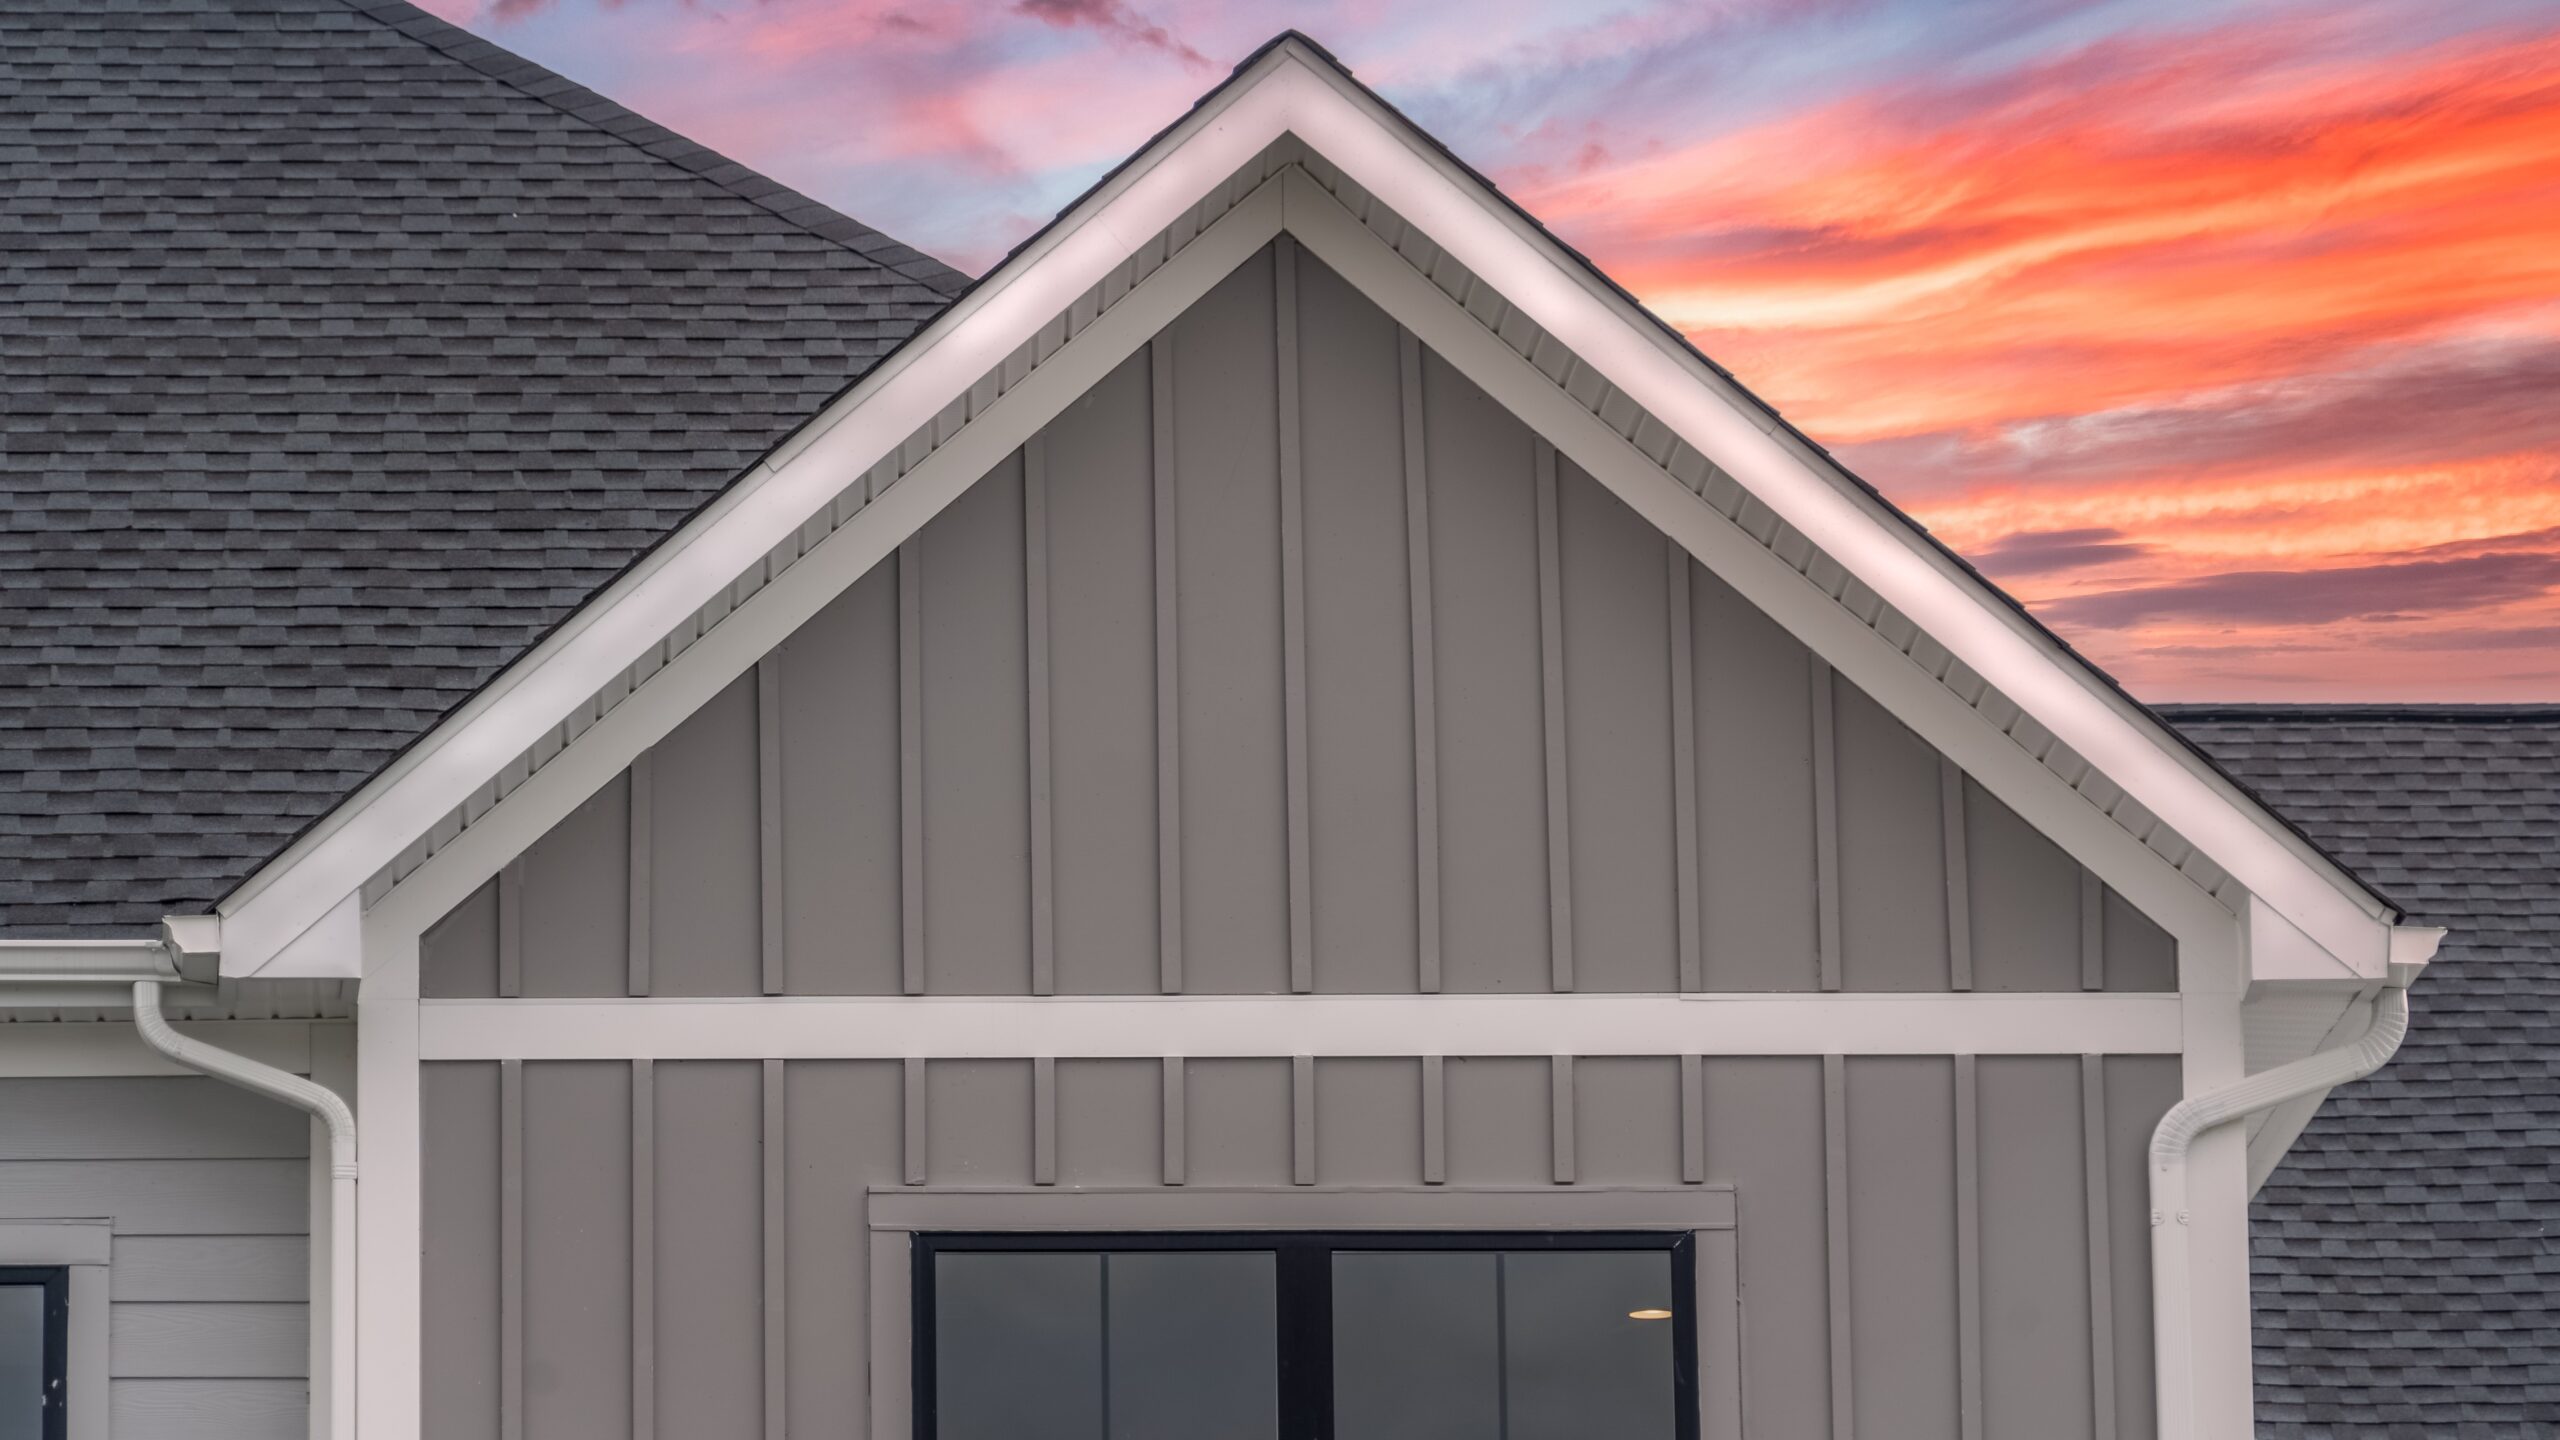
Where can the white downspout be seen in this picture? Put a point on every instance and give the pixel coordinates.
(2170, 1143)
(325, 1103)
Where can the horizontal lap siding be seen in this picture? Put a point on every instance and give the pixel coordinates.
(720, 1341)
(206, 1188)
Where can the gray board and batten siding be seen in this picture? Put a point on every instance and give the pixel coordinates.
(1141, 712)
(205, 1190)
(1286, 661)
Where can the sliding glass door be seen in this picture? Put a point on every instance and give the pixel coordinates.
(1305, 1337)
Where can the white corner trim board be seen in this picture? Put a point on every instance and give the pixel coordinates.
(1290, 91)
(1199, 1026)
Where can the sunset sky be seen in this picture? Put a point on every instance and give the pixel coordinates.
(2225, 335)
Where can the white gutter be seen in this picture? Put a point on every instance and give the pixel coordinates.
(333, 1111)
(78, 974)
(2170, 1143)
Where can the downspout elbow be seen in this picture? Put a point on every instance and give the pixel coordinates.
(2191, 1117)
(249, 1074)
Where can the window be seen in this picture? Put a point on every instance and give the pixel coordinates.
(35, 1312)
(1372, 1336)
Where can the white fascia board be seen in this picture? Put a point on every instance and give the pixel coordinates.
(1290, 91)
(1065, 1026)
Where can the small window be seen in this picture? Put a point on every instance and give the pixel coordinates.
(35, 1310)
(1300, 1337)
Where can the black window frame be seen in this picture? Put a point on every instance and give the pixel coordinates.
(1303, 1274)
(55, 1280)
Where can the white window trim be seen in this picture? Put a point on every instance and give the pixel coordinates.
(83, 1248)
(894, 1216)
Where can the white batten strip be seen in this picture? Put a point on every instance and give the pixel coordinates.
(1086, 1027)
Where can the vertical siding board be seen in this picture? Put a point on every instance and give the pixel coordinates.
(1835, 1209)
(1551, 673)
(1826, 821)
(1560, 1116)
(460, 1212)
(1368, 1128)
(1693, 1120)
(1177, 1124)
(1234, 756)
(643, 790)
(1426, 707)
(977, 881)
(2037, 1378)
(1035, 602)
(2102, 1312)
(769, 933)
(511, 929)
(911, 766)
(776, 1234)
(1098, 615)
(1293, 614)
(704, 913)
(1160, 361)
(644, 1250)
(1684, 763)
(1889, 832)
(1495, 919)
(1246, 1135)
(1757, 853)
(577, 1241)
(1302, 1120)
(842, 822)
(1435, 1128)
(2093, 932)
(711, 1364)
(1902, 1229)
(458, 956)
(1359, 675)
(1951, 840)
(1044, 1121)
(1968, 1253)
(911, 1128)
(565, 908)
(511, 1250)
(2026, 901)
(1622, 713)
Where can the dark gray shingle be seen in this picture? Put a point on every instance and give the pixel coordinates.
(2406, 1255)
(345, 353)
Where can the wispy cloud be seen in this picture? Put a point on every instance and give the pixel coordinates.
(2227, 335)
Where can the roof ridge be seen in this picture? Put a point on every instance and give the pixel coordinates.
(2460, 712)
(570, 98)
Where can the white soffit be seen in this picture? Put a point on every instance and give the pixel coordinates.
(935, 383)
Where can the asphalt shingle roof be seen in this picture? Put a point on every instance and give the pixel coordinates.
(281, 280)
(2406, 1255)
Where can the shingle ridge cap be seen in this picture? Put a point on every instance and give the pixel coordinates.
(538, 82)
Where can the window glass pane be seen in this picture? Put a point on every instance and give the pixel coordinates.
(21, 1362)
(1194, 1341)
(1576, 1362)
(1017, 1346)
(1416, 1346)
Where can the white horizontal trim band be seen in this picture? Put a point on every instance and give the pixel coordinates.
(993, 1027)
(1159, 1208)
